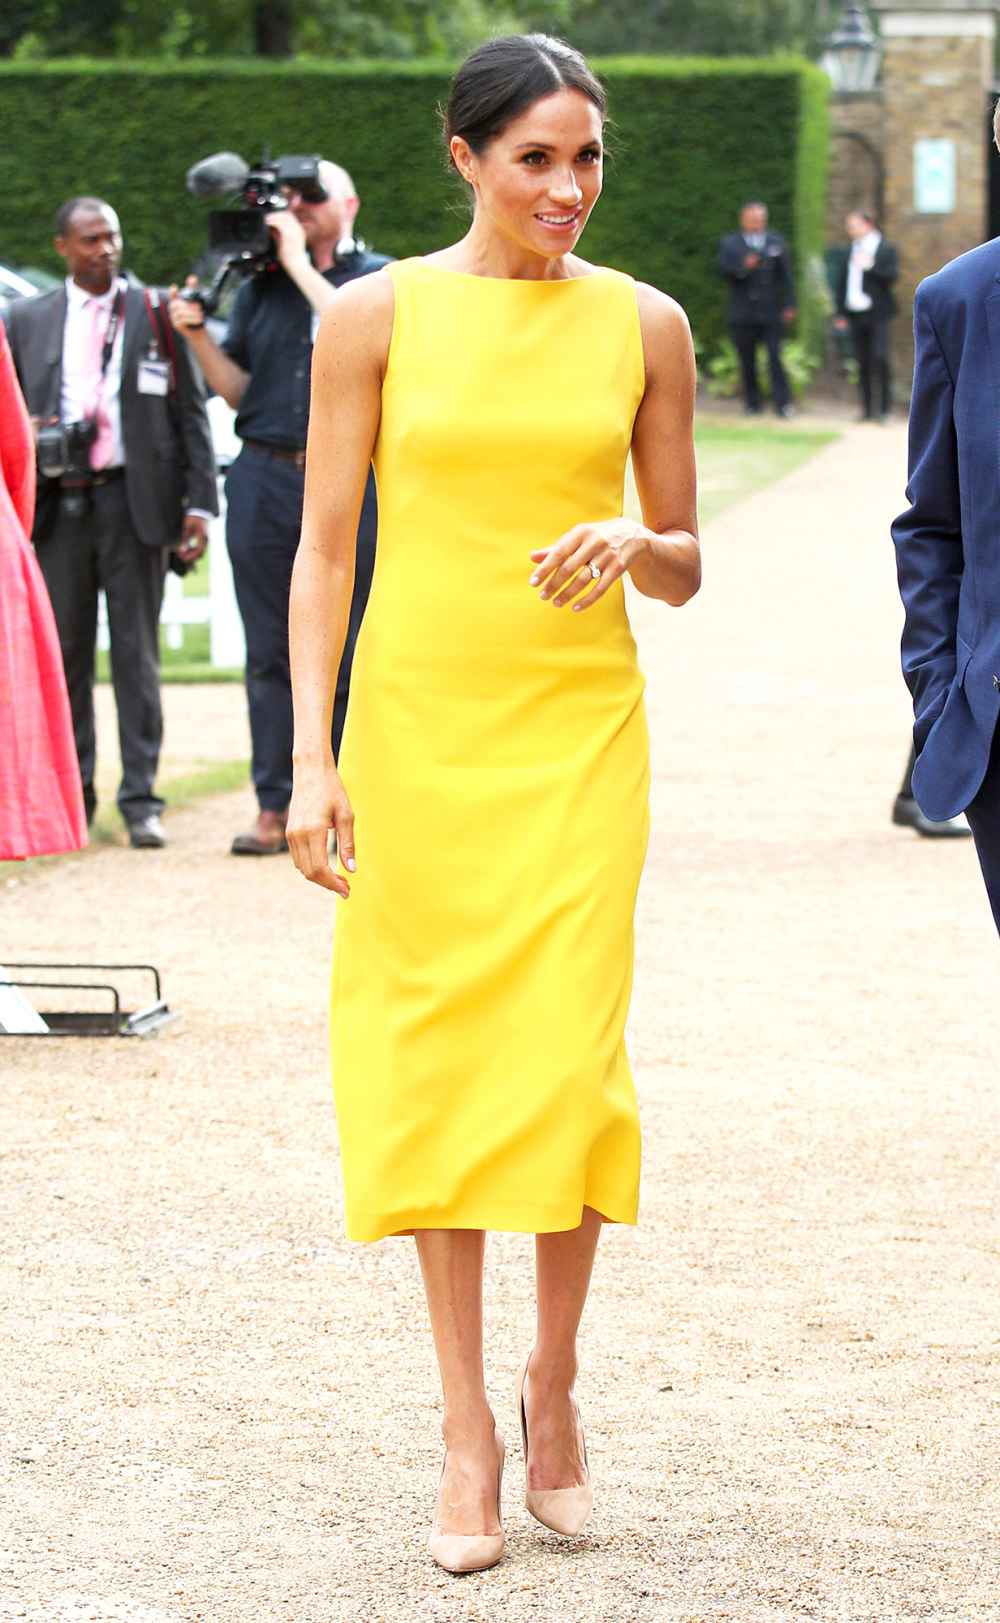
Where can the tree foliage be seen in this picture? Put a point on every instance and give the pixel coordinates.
(402, 28)
(692, 27)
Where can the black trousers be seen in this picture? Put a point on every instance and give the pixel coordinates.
(263, 521)
(746, 336)
(78, 557)
(870, 337)
(984, 820)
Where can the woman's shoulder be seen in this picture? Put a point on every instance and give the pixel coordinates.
(368, 300)
(360, 319)
(658, 310)
(373, 291)
(666, 333)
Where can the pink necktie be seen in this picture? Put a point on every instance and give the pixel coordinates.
(100, 450)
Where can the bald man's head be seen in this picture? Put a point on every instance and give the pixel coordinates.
(331, 222)
(336, 181)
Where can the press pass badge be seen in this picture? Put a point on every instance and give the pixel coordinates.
(154, 376)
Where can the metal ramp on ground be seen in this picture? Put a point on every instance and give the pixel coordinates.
(103, 1012)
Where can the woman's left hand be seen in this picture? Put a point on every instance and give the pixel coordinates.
(564, 570)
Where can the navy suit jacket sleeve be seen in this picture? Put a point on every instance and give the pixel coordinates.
(732, 254)
(928, 535)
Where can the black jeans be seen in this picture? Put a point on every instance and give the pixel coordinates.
(870, 337)
(78, 557)
(263, 521)
(746, 336)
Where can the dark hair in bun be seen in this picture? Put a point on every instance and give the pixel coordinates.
(506, 76)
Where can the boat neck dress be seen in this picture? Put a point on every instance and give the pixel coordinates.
(496, 757)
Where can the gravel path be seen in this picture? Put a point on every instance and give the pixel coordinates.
(217, 1409)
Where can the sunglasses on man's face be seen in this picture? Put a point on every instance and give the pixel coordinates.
(311, 191)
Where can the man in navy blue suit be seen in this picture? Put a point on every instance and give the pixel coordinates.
(948, 549)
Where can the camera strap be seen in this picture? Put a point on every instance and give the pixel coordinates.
(114, 321)
(163, 336)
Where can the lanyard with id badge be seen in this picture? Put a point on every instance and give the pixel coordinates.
(156, 369)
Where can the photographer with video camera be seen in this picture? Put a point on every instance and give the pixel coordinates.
(262, 369)
(127, 478)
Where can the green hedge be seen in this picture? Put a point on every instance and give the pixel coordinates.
(691, 140)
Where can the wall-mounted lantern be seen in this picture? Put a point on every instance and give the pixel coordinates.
(851, 55)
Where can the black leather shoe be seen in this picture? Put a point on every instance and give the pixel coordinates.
(146, 834)
(907, 814)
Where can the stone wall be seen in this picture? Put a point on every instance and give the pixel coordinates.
(937, 66)
(853, 171)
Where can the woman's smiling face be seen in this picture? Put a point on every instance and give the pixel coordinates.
(537, 181)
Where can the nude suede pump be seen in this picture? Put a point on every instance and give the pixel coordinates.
(470, 1552)
(562, 1510)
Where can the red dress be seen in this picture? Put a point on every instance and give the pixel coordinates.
(41, 801)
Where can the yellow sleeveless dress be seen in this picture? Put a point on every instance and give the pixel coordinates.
(496, 756)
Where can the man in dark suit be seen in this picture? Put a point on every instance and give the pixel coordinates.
(757, 265)
(947, 555)
(865, 306)
(99, 351)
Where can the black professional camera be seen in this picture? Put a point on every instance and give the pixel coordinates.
(239, 242)
(63, 451)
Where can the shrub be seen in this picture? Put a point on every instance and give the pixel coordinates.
(692, 139)
(722, 371)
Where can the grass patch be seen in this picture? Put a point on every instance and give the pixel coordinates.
(217, 779)
(189, 663)
(107, 828)
(735, 460)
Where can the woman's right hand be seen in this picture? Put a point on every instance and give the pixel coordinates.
(319, 803)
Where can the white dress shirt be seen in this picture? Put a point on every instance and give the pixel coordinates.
(77, 368)
(77, 365)
(862, 258)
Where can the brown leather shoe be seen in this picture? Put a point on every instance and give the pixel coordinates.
(265, 839)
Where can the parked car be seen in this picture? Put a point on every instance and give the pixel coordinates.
(23, 283)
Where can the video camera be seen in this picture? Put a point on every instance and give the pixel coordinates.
(239, 242)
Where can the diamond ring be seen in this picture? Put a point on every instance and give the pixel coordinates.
(595, 571)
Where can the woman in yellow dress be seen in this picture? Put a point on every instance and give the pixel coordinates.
(490, 801)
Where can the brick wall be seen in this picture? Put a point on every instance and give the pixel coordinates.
(853, 171)
(934, 85)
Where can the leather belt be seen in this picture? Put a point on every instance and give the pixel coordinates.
(296, 458)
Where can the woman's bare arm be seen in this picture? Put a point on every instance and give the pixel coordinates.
(662, 554)
(663, 454)
(348, 366)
